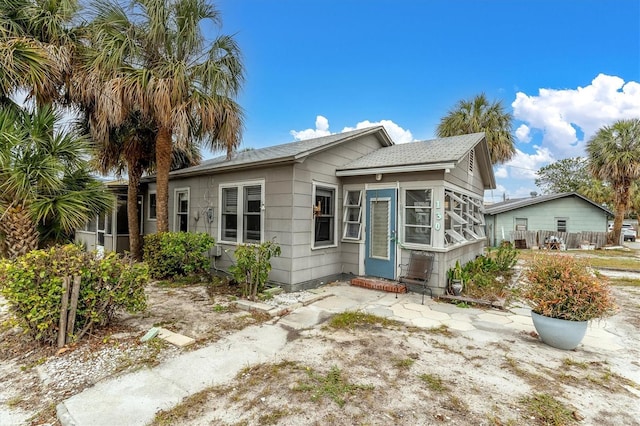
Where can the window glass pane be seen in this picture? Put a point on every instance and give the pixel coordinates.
(252, 228)
(353, 198)
(122, 224)
(562, 225)
(417, 235)
(380, 229)
(352, 230)
(417, 219)
(183, 202)
(92, 224)
(353, 214)
(252, 196)
(152, 206)
(230, 200)
(324, 220)
(229, 227)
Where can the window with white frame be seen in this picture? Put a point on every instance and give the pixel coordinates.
(352, 215)
(181, 223)
(324, 212)
(241, 212)
(417, 216)
(561, 224)
(152, 206)
(521, 224)
(464, 218)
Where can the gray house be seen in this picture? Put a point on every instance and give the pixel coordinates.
(560, 214)
(349, 204)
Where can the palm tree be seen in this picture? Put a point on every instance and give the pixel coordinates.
(130, 149)
(43, 180)
(37, 45)
(153, 58)
(478, 115)
(614, 154)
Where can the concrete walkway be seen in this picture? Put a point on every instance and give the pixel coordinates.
(133, 399)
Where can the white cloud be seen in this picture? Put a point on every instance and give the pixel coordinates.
(501, 172)
(523, 133)
(557, 113)
(525, 166)
(322, 129)
(397, 133)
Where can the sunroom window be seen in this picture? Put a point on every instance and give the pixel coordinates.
(417, 216)
(464, 218)
(352, 215)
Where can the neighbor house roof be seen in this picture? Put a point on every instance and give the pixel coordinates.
(519, 203)
(434, 154)
(285, 153)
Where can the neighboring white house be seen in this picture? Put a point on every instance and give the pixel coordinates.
(348, 204)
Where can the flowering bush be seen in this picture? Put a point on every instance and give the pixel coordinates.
(566, 288)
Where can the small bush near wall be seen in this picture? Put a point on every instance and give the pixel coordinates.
(32, 284)
(171, 254)
(253, 263)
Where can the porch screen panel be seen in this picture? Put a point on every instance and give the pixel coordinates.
(229, 214)
(380, 228)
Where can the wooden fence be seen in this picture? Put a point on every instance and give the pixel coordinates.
(572, 240)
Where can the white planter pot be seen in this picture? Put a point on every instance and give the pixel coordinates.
(559, 333)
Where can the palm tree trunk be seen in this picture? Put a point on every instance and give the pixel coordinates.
(621, 199)
(163, 164)
(21, 233)
(135, 173)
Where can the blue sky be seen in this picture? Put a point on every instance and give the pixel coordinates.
(563, 68)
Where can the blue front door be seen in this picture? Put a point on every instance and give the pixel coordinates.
(380, 241)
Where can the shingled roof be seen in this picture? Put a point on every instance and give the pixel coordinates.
(434, 154)
(519, 203)
(289, 152)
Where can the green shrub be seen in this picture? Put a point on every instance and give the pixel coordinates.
(506, 256)
(253, 263)
(176, 253)
(32, 284)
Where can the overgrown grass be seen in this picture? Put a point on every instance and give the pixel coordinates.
(612, 259)
(547, 410)
(433, 382)
(625, 282)
(354, 319)
(333, 385)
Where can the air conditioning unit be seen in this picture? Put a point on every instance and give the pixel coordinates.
(216, 251)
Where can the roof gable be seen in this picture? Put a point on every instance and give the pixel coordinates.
(434, 154)
(518, 203)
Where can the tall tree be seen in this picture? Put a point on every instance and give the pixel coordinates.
(566, 175)
(614, 156)
(130, 149)
(37, 45)
(43, 180)
(480, 115)
(155, 59)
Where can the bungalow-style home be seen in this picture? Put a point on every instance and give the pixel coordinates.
(348, 204)
(568, 216)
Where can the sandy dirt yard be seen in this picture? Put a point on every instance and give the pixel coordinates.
(369, 373)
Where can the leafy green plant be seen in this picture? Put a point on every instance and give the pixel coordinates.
(171, 254)
(32, 284)
(566, 288)
(252, 267)
(506, 256)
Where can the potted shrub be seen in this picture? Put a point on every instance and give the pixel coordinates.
(565, 294)
(456, 278)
